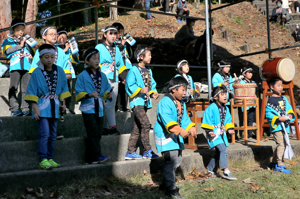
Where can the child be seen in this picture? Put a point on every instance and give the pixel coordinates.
(127, 54)
(222, 77)
(182, 9)
(247, 73)
(73, 60)
(183, 70)
(140, 85)
(49, 34)
(279, 113)
(216, 122)
(112, 65)
(172, 125)
(46, 88)
(92, 88)
(19, 52)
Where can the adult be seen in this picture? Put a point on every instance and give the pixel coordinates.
(276, 12)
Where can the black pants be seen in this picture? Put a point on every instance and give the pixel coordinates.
(182, 12)
(250, 120)
(167, 5)
(94, 127)
(18, 77)
(123, 97)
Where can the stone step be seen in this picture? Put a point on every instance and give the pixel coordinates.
(22, 155)
(295, 16)
(263, 6)
(292, 25)
(56, 177)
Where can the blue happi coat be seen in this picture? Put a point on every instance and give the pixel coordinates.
(217, 80)
(166, 118)
(129, 55)
(106, 60)
(14, 55)
(62, 61)
(71, 60)
(133, 85)
(84, 85)
(212, 121)
(272, 116)
(38, 87)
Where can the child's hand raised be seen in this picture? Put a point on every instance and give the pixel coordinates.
(184, 134)
(94, 94)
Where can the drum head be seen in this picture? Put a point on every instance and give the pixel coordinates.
(286, 69)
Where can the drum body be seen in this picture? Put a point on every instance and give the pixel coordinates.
(244, 91)
(284, 68)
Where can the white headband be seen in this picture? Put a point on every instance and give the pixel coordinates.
(111, 28)
(50, 27)
(91, 53)
(47, 50)
(138, 55)
(177, 85)
(20, 23)
(220, 91)
(62, 31)
(249, 69)
(178, 65)
(221, 66)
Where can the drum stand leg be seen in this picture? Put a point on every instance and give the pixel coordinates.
(258, 132)
(232, 115)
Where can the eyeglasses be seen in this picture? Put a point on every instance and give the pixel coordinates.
(113, 33)
(52, 35)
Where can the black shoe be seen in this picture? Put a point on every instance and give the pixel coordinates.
(113, 131)
(174, 194)
(105, 131)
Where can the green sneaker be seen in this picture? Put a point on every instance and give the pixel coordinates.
(53, 164)
(45, 165)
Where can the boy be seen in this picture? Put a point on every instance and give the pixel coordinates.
(92, 88)
(182, 10)
(279, 113)
(140, 86)
(46, 88)
(18, 51)
(172, 125)
(112, 66)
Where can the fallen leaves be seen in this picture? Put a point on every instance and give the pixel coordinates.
(210, 189)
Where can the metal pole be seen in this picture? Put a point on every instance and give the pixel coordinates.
(210, 30)
(208, 59)
(96, 25)
(58, 9)
(268, 28)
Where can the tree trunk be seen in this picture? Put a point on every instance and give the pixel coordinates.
(86, 17)
(140, 4)
(31, 13)
(5, 19)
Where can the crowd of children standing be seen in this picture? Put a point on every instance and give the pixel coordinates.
(47, 76)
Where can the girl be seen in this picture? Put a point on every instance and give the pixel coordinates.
(46, 88)
(140, 85)
(49, 34)
(92, 88)
(183, 70)
(222, 77)
(216, 122)
(247, 74)
(112, 65)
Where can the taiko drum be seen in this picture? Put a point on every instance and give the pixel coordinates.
(244, 91)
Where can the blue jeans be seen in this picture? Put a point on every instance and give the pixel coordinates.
(47, 137)
(220, 155)
(148, 5)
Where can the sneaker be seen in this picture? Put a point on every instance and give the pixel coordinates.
(53, 164)
(178, 20)
(132, 156)
(44, 164)
(228, 176)
(26, 113)
(150, 155)
(213, 174)
(101, 159)
(168, 12)
(282, 169)
(105, 131)
(113, 131)
(16, 113)
(174, 194)
(273, 165)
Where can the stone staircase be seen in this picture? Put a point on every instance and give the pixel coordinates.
(261, 6)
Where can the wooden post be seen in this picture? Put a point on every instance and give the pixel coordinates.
(245, 121)
(257, 122)
(232, 115)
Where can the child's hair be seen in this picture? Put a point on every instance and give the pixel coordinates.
(273, 81)
(180, 64)
(223, 63)
(16, 22)
(62, 30)
(45, 48)
(141, 51)
(216, 91)
(246, 69)
(87, 54)
(177, 82)
(118, 26)
(45, 29)
(106, 29)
